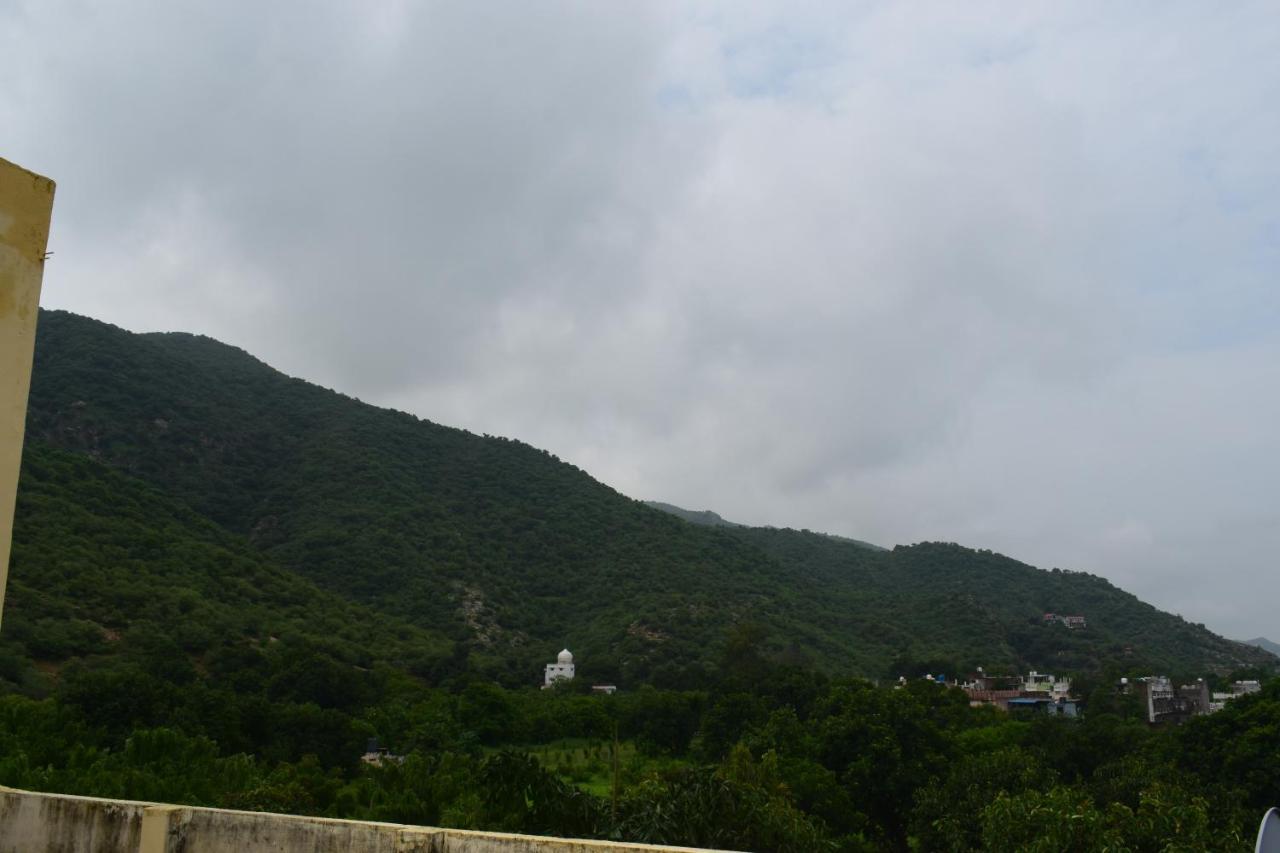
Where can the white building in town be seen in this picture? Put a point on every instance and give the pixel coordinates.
(1238, 689)
(561, 670)
(1043, 682)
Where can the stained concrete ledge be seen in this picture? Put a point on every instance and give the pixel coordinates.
(60, 823)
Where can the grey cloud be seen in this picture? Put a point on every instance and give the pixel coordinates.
(1003, 275)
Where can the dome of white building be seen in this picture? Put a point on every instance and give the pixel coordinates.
(565, 656)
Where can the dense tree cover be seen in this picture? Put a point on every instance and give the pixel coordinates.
(105, 567)
(791, 762)
(955, 608)
(506, 551)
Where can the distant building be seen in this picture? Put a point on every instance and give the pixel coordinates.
(1238, 689)
(1158, 699)
(1043, 682)
(561, 670)
(1196, 697)
(376, 756)
(1069, 621)
(608, 689)
(985, 689)
(1062, 706)
(1164, 704)
(1036, 690)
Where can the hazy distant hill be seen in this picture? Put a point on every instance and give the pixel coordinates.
(512, 554)
(705, 517)
(1264, 643)
(711, 519)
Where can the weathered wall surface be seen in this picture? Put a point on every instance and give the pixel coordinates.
(67, 824)
(26, 203)
(58, 823)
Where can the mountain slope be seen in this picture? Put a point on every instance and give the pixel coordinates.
(955, 606)
(705, 517)
(514, 554)
(712, 519)
(104, 566)
(490, 540)
(1265, 644)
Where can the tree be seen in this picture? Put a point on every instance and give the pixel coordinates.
(946, 810)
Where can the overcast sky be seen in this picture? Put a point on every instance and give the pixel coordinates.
(1002, 274)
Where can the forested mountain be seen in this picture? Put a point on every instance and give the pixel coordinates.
(950, 606)
(480, 553)
(1264, 643)
(709, 518)
(694, 516)
(107, 566)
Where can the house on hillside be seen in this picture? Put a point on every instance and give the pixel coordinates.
(561, 670)
(1070, 621)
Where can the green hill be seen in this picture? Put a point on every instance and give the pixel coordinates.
(1264, 643)
(105, 566)
(943, 605)
(704, 517)
(508, 552)
(712, 519)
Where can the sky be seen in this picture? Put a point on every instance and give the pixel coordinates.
(1004, 274)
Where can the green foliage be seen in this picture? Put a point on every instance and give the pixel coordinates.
(1167, 819)
(1237, 748)
(518, 795)
(105, 566)
(945, 809)
(863, 768)
(743, 805)
(258, 480)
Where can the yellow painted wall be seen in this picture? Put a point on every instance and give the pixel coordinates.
(26, 203)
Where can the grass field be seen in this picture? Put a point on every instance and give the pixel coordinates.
(588, 764)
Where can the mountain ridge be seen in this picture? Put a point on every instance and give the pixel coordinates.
(710, 518)
(511, 554)
(1265, 644)
(704, 517)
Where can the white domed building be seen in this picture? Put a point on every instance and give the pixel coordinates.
(561, 670)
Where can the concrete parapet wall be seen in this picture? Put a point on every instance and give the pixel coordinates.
(60, 823)
(67, 824)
